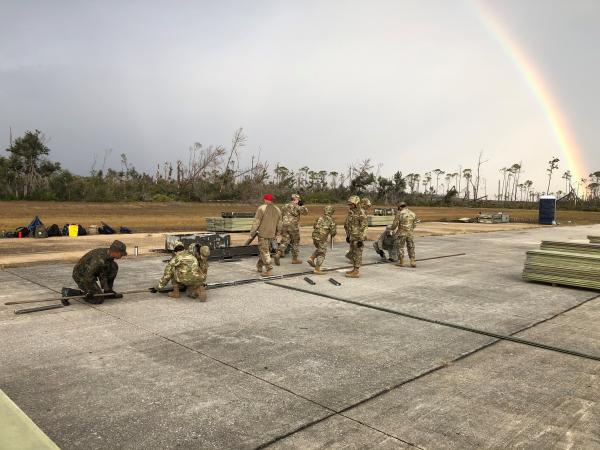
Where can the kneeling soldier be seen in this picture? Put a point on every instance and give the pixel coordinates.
(183, 269)
(324, 229)
(95, 266)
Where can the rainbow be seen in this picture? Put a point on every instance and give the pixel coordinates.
(558, 123)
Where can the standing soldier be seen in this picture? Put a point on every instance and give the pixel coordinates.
(267, 225)
(323, 230)
(184, 273)
(95, 266)
(290, 228)
(405, 222)
(356, 230)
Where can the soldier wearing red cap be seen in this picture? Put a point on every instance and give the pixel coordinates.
(267, 225)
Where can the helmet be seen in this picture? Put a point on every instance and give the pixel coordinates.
(329, 210)
(365, 202)
(402, 205)
(178, 246)
(295, 197)
(353, 200)
(205, 251)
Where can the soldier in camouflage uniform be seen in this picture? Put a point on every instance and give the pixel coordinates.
(290, 227)
(356, 231)
(387, 241)
(183, 269)
(99, 266)
(202, 252)
(405, 222)
(323, 230)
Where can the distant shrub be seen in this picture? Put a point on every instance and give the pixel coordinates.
(161, 198)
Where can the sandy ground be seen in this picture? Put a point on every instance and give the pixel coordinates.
(18, 252)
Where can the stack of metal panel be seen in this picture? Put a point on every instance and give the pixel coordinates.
(565, 263)
(228, 224)
(594, 239)
(380, 221)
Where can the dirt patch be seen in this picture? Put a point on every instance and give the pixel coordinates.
(174, 216)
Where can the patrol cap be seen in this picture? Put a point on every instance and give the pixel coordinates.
(354, 200)
(402, 205)
(329, 210)
(205, 251)
(295, 197)
(365, 202)
(178, 245)
(118, 246)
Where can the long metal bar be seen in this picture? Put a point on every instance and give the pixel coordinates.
(443, 323)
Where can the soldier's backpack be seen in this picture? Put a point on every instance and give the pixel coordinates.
(40, 232)
(23, 230)
(53, 231)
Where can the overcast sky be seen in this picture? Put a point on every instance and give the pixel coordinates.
(413, 85)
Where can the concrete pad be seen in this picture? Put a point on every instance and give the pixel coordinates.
(505, 396)
(339, 432)
(323, 350)
(258, 362)
(97, 382)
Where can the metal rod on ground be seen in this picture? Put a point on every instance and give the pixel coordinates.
(79, 297)
(38, 308)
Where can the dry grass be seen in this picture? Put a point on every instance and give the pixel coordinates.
(152, 217)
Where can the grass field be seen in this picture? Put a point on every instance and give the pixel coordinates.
(190, 216)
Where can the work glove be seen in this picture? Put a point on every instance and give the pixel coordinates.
(153, 290)
(348, 239)
(300, 202)
(359, 244)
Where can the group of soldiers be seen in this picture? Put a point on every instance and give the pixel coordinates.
(96, 271)
(187, 270)
(270, 222)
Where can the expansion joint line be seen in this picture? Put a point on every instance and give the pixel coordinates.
(503, 337)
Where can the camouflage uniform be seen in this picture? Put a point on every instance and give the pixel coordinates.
(324, 228)
(387, 241)
(290, 227)
(95, 265)
(405, 222)
(183, 269)
(356, 230)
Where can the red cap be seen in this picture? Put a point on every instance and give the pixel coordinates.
(268, 197)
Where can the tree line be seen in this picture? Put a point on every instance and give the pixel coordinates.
(215, 173)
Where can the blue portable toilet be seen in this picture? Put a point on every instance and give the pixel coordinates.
(547, 210)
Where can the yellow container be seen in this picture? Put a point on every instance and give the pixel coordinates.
(73, 230)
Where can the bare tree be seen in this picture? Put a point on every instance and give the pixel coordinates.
(552, 165)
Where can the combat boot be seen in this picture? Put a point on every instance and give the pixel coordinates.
(413, 263)
(400, 262)
(276, 258)
(296, 260)
(318, 271)
(268, 273)
(311, 262)
(353, 273)
(201, 293)
(175, 292)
